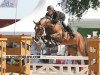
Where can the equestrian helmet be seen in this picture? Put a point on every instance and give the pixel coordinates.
(50, 8)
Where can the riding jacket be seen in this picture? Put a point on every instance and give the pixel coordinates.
(56, 16)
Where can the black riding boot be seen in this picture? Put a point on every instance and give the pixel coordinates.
(68, 29)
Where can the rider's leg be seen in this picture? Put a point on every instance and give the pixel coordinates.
(68, 29)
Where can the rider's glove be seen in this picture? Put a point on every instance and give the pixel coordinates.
(48, 17)
(54, 21)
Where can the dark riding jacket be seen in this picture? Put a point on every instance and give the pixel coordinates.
(56, 16)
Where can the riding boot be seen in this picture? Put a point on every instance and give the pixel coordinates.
(64, 26)
(68, 29)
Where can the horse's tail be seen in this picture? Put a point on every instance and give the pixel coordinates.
(86, 46)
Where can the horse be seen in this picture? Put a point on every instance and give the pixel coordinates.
(55, 33)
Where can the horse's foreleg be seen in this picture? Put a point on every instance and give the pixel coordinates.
(47, 40)
(43, 39)
(50, 40)
(56, 37)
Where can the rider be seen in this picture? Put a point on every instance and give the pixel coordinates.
(56, 16)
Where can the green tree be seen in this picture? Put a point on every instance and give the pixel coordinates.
(78, 7)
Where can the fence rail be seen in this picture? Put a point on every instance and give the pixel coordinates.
(60, 69)
(56, 69)
(47, 57)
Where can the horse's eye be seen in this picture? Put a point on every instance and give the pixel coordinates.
(36, 28)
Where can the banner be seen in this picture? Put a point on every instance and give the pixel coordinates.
(9, 3)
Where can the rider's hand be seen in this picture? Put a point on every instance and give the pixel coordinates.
(48, 17)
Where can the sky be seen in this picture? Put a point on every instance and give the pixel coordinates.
(26, 24)
(27, 12)
(24, 8)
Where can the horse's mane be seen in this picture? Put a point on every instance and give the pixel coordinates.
(41, 19)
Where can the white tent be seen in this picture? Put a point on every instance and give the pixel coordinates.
(92, 14)
(26, 25)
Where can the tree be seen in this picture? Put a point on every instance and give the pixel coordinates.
(78, 7)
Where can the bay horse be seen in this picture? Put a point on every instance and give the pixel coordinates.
(56, 33)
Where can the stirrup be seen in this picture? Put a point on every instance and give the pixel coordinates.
(72, 35)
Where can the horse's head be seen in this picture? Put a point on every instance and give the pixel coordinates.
(39, 28)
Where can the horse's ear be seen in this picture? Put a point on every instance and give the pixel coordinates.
(35, 22)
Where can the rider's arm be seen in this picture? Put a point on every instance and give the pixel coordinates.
(48, 16)
(55, 18)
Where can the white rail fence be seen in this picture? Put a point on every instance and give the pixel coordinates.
(60, 69)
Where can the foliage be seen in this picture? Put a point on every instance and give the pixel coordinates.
(78, 7)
